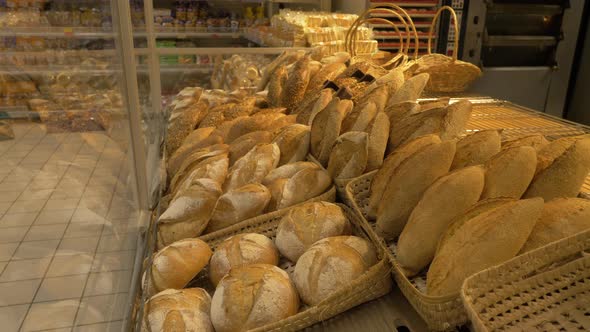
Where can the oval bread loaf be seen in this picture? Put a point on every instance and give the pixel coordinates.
(241, 250)
(308, 110)
(410, 90)
(197, 159)
(537, 141)
(199, 138)
(214, 168)
(243, 144)
(293, 142)
(510, 172)
(349, 155)
(331, 130)
(308, 223)
(378, 136)
(287, 171)
(296, 84)
(476, 148)
(275, 86)
(253, 167)
(178, 310)
(304, 185)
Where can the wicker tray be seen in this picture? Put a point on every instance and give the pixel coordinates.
(439, 312)
(547, 289)
(373, 284)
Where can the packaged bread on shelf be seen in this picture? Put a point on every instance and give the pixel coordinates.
(293, 142)
(562, 167)
(253, 167)
(243, 144)
(302, 186)
(483, 241)
(349, 155)
(241, 250)
(183, 124)
(175, 265)
(189, 212)
(252, 296)
(537, 141)
(331, 264)
(510, 172)
(448, 197)
(237, 205)
(477, 148)
(308, 223)
(561, 218)
(178, 310)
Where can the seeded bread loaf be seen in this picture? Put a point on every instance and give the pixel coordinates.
(476, 148)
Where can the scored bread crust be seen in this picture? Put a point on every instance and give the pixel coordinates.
(178, 310)
(537, 141)
(287, 171)
(348, 158)
(243, 144)
(509, 173)
(318, 124)
(359, 117)
(378, 136)
(331, 131)
(253, 167)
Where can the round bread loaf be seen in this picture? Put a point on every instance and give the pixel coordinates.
(252, 296)
(331, 264)
(307, 224)
(241, 250)
(178, 310)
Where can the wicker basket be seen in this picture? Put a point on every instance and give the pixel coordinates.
(371, 285)
(547, 289)
(439, 312)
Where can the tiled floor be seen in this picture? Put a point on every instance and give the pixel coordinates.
(68, 232)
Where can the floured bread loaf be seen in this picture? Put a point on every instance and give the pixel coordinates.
(189, 213)
(476, 148)
(198, 139)
(241, 250)
(378, 132)
(242, 145)
(562, 167)
(407, 184)
(308, 223)
(326, 126)
(536, 141)
(486, 240)
(214, 168)
(287, 171)
(410, 90)
(331, 264)
(447, 198)
(349, 155)
(510, 172)
(253, 167)
(195, 160)
(381, 178)
(378, 96)
(178, 263)
(178, 310)
(237, 205)
(304, 185)
(307, 112)
(253, 296)
(561, 217)
(360, 117)
(293, 142)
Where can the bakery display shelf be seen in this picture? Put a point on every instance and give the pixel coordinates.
(412, 13)
(69, 32)
(408, 3)
(400, 26)
(386, 46)
(394, 35)
(57, 69)
(187, 33)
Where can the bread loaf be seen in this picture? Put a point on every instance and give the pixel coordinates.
(509, 173)
(306, 113)
(183, 124)
(407, 184)
(296, 84)
(349, 155)
(378, 96)
(198, 139)
(242, 145)
(398, 111)
(237, 205)
(287, 171)
(562, 167)
(275, 87)
(178, 263)
(243, 108)
(381, 178)
(304, 185)
(331, 264)
(561, 217)
(252, 296)
(293, 142)
(212, 165)
(188, 214)
(378, 136)
(326, 73)
(476, 148)
(537, 141)
(331, 131)
(256, 122)
(486, 240)
(447, 198)
(241, 250)
(178, 310)
(253, 167)
(277, 125)
(359, 118)
(319, 124)
(410, 90)
(308, 223)
(269, 71)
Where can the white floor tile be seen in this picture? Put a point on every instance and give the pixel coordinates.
(51, 315)
(54, 217)
(7, 250)
(83, 230)
(70, 265)
(27, 206)
(25, 269)
(113, 261)
(18, 292)
(12, 317)
(108, 283)
(78, 245)
(61, 288)
(103, 308)
(12, 234)
(46, 232)
(35, 249)
(17, 219)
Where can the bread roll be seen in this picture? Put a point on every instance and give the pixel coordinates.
(308, 223)
(241, 250)
(509, 173)
(330, 265)
(381, 178)
(536, 141)
(349, 155)
(178, 310)
(293, 142)
(307, 112)
(360, 117)
(198, 139)
(296, 84)
(253, 167)
(330, 132)
(242, 145)
(275, 87)
(476, 148)
(188, 214)
(239, 204)
(175, 265)
(561, 217)
(486, 240)
(378, 136)
(410, 90)
(562, 167)
(287, 171)
(447, 198)
(407, 184)
(183, 124)
(304, 185)
(253, 296)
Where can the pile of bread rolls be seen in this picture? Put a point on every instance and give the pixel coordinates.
(249, 289)
(456, 207)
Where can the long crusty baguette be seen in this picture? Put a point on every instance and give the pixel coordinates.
(447, 198)
(481, 242)
(510, 172)
(477, 148)
(407, 184)
(378, 132)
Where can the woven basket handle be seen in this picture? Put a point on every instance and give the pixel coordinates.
(410, 22)
(382, 20)
(350, 40)
(455, 23)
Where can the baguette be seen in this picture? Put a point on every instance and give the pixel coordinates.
(537, 141)
(331, 131)
(447, 198)
(486, 240)
(510, 172)
(348, 158)
(476, 148)
(240, 146)
(253, 167)
(378, 136)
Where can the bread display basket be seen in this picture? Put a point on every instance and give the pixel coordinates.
(375, 283)
(547, 289)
